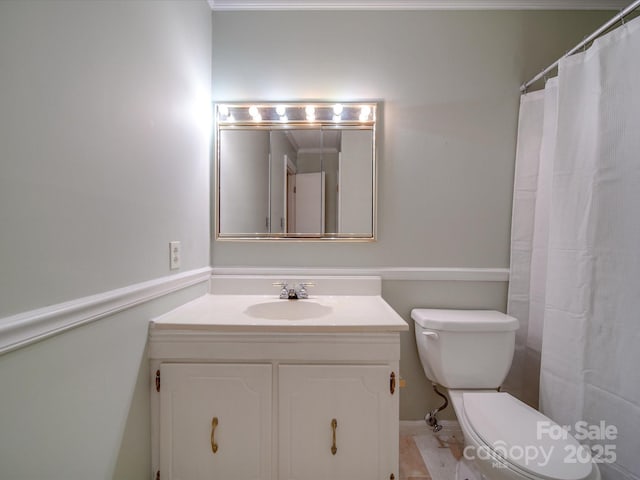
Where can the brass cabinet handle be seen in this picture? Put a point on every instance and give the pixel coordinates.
(334, 425)
(214, 424)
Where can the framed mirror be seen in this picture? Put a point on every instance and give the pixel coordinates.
(295, 171)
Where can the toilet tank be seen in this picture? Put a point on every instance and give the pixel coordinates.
(465, 349)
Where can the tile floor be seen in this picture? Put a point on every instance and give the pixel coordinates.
(425, 455)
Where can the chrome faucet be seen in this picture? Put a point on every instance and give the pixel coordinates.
(288, 292)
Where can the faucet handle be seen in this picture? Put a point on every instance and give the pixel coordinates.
(302, 289)
(284, 288)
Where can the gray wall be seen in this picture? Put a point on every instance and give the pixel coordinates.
(76, 406)
(446, 139)
(104, 159)
(104, 147)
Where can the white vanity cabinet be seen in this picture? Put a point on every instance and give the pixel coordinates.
(275, 397)
(278, 397)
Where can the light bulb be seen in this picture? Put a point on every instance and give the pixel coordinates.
(310, 110)
(223, 110)
(253, 111)
(337, 109)
(281, 110)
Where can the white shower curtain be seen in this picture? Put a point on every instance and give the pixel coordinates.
(575, 260)
(537, 127)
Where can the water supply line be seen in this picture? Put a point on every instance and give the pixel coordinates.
(430, 417)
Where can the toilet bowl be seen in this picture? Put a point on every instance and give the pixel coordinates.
(470, 353)
(506, 440)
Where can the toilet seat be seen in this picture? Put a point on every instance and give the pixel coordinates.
(508, 428)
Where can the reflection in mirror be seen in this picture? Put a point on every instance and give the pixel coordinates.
(295, 171)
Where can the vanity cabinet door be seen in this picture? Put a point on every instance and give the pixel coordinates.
(215, 421)
(336, 422)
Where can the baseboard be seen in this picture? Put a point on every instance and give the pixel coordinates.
(25, 328)
(420, 427)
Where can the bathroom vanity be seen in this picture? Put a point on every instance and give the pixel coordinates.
(249, 386)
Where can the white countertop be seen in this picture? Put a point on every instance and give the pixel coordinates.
(267, 313)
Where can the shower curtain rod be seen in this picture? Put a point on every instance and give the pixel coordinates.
(593, 36)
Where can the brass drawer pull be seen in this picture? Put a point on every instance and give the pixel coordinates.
(334, 425)
(214, 424)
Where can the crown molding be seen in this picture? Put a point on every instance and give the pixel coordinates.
(238, 5)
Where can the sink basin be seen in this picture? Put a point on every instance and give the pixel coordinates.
(288, 310)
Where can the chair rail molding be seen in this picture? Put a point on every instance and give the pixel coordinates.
(25, 328)
(231, 5)
(462, 274)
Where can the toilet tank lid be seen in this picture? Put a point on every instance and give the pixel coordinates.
(464, 320)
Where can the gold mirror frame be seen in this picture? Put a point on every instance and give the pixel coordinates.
(290, 117)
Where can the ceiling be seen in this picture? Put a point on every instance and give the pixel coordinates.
(314, 140)
(418, 4)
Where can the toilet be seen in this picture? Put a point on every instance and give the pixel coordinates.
(470, 353)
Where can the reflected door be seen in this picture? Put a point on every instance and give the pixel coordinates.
(309, 203)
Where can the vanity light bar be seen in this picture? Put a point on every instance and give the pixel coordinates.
(298, 113)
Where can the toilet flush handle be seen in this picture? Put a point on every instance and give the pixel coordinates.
(430, 334)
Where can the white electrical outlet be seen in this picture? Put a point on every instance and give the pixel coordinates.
(175, 255)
